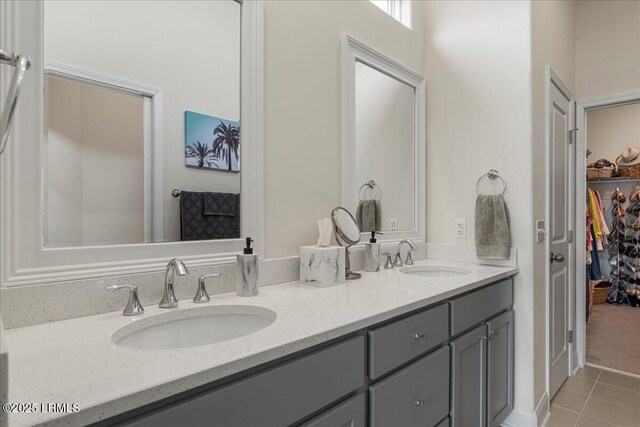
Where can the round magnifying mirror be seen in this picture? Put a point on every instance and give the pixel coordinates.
(347, 235)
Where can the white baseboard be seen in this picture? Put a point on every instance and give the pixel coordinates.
(521, 417)
(604, 368)
(542, 410)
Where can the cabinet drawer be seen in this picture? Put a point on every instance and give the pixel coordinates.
(476, 307)
(277, 397)
(346, 414)
(392, 400)
(394, 344)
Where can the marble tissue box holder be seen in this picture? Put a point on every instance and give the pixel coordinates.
(322, 267)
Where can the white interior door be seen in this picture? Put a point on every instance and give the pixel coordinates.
(561, 155)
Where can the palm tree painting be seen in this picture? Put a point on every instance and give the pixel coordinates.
(200, 153)
(226, 144)
(211, 142)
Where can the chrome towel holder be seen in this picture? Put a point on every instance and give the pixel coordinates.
(371, 185)
(493, 174)
(22, 63)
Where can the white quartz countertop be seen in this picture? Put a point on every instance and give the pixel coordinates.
(75, 360)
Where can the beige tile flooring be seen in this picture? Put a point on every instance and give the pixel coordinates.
(595, 398)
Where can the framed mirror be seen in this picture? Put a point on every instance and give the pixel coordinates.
(136, 152)
(383, 166)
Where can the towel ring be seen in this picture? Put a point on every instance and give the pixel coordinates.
(371, 184)
(492, 175)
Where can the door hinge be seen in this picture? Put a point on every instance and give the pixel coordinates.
(570, 337)
(572, 135)
(570, 236)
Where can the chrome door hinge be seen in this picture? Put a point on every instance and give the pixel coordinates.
(570, 236)
(570, 337)
(572, 135)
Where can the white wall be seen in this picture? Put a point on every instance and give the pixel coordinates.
(189, 49)
(552, 34)
(94, 182)
(477, 68)
(303, 168)
(385, 146)
(607, 51)
(611, 130)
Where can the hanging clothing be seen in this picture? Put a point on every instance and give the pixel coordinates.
(595, 212)
(601, 219)
(592, 203)
(593, 270)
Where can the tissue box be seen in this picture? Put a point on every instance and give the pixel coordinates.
(322, 267)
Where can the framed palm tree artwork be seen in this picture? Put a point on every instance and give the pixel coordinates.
(211, 142)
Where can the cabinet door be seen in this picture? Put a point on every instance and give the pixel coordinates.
(499, 368)
(347, 414)
(469, 379)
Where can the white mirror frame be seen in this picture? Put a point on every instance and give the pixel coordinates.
(23, 259)
(354, 51)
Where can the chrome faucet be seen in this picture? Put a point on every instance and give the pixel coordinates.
(169, 299)
(408, 260)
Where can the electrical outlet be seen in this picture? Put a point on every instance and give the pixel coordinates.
(461, 229)
(393, 224)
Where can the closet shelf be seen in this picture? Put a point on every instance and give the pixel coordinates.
(614, 179)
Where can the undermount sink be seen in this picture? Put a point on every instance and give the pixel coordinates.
(193, 327)
(434, 271)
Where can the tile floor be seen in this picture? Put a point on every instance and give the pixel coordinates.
(597, 398)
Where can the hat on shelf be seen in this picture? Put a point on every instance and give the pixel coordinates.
(629, 157)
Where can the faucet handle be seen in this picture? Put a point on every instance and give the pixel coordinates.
(201, 293)
(388, 264)
(398, 260)
(133, 307)
(409, 259)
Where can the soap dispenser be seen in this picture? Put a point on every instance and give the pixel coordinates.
(247, 271)
(372, 254)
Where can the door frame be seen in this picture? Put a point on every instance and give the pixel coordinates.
(582, 108)
(551, 78)
(153, 138)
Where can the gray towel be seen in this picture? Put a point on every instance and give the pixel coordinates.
(367, 216)
(223, 204)
(195, 225)
(493, 237)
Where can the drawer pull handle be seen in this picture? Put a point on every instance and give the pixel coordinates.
(418, 337)
(492, 333)
(418, 403)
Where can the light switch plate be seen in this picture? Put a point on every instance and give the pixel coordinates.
(393, 224)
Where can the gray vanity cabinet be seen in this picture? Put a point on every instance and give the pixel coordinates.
(469, 379)
(450, 364)
(482, 374)
(348, 414)
(499, 368)
(417, 395)
(276, 397)
(482, 357)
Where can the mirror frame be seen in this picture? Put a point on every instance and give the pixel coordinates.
(23, 259)
(354, 51)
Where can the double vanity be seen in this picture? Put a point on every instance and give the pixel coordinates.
(430, 344)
